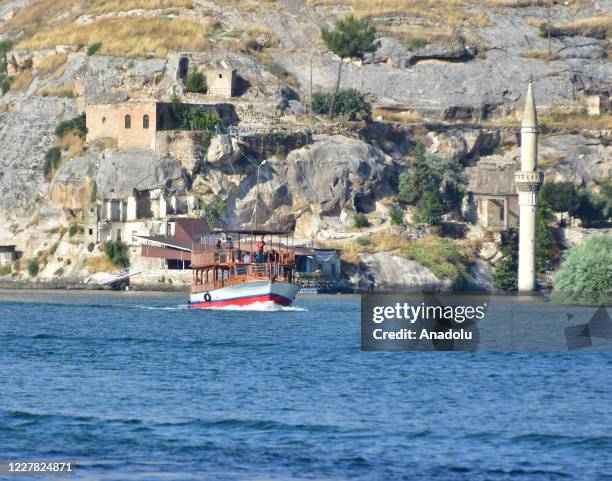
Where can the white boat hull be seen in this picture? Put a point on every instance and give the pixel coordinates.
(251, 292)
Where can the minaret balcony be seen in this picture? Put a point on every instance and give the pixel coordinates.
(529, 181)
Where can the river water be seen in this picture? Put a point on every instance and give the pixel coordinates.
(134, 386)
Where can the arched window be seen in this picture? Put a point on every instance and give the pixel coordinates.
(103, 120)
(145, 122)
(128, 122)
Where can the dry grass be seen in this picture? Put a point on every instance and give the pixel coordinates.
(451, 13)
(542, 54)
(134, 37)
(51, 63)
(518, 3)
(72, 143)
(404, 117)
(378, 242)
(105, 6)
(65, 91)
(22, 81)
(96, 264)
(596, 27)
(265, 36)
(576, 121)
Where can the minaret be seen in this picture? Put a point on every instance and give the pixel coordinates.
(528, 183)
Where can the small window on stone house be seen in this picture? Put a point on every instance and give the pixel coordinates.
(90, 231)
(103, 120)
(220, 75)
(128, 122)
(145, 122)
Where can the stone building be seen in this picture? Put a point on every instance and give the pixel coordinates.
(8, 255)
(491, 200)
(220, 78)
(145, 124)
(598, 101)
(131, 123)
(122, 219)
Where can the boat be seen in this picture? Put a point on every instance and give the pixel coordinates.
(233, 268)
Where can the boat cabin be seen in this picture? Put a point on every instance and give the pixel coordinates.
(228, 258)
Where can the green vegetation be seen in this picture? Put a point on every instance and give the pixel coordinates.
(560, 196)
(546, 244)
(5, 270)
(194, 118)
(350, 103)
(93, 194)
(94, 48)
(586, 274)
(435, 184)
(53, 156)
(350, 38)
(77, 125)
(505, 275)
(75, 229)
(5, 79)
(360, 221)
(443, 258)
(117, 253)
(417, 43)
(592, 207)
(33, 267)
(212, 212)
(430, 209)
(396, 216)
(277, 69)
(363, 241)
(196, 82)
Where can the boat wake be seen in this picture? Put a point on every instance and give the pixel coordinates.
(268, 306)
(180, 307)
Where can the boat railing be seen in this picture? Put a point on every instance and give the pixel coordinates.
(210, 256)
(240, 274)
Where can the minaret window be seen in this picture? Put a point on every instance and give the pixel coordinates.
(145, 122)
(128, 122)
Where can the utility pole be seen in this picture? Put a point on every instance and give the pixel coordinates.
(311, 57)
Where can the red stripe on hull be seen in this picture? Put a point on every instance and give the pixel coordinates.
(244, 301)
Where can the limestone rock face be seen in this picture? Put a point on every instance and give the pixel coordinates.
(118, 172)
(223, 149)
(385, 271)
(26, 132)
(335, 172)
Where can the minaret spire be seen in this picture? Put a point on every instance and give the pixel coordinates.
(528, 183)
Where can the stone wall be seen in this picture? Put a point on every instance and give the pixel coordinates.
(124, 122)
(184, 145)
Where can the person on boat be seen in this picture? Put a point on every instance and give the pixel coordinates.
(247, 258)
(219, 244)
(260, 249)
(230, 244)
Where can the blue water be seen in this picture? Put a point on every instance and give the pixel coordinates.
(138, 387)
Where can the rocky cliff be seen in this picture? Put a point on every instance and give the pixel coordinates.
(451, 81)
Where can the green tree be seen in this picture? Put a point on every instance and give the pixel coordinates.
(118, 253)
(560, 196)
(605, 192)
(545, 240)
(350, 103)
(76, 124)
(196, 82)
(430, 209)
(195, 118)
(212, 212)
(350, 38)
(585, 276)
(505, 275)
(591, 207)
(176, 107)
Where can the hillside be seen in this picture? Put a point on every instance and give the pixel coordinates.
(450, 76)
